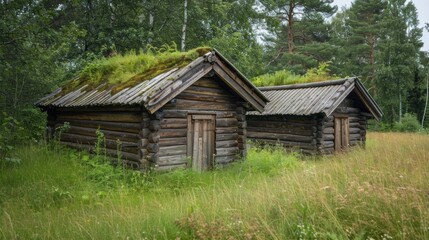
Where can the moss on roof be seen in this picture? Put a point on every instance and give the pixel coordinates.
(128, 70)
(286, 77)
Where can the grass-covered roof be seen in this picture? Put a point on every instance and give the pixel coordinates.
(127, 70)
(286, 77)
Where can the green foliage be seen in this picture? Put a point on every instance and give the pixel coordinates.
(11, 134)
(269, 160)
(240, 50)
(285, 77)
(132, 68)
(408, 123)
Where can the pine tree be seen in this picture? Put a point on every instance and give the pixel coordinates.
(295, 23)
(400, 44)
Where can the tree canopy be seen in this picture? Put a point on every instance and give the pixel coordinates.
(44, 44)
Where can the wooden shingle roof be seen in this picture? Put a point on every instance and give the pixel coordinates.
(312, 98)
(155, 92)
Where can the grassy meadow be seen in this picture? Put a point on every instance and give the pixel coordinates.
(381, 192)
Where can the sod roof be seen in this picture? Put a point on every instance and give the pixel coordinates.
(143, 79)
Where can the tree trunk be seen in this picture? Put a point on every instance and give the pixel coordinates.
(400, 106)
(151, 19)
(426, 102)
(185, 22)
(371, 41)
(290, 34)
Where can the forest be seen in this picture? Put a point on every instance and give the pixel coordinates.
(44, 44)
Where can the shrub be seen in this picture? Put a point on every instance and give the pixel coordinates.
(11, 133)
(409, 123)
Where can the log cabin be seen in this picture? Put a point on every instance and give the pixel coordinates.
(314, 118)
(186, 110)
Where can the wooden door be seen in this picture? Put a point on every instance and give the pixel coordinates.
(201, 141)
(342, 133)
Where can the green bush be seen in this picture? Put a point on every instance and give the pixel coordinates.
(11, 133)
(409, 123)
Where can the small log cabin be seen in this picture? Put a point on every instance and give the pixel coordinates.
(191, 113)
(315, 118)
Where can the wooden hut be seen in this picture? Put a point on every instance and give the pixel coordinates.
(187, 111)
(316, 118)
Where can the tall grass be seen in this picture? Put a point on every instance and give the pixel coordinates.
(380, 192)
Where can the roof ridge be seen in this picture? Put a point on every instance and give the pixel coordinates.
(308, 85)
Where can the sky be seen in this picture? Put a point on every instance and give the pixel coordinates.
(421, 5)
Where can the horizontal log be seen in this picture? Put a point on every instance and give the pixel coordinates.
(354, 130)
(113, 135)
(196, 105)
(172, 160)
(328, 130)
(172, 150)
(91, 148)
(288, 119)
(174, 123)
(226, 122)
(282, 137)
(130, 147)
(220, 130)
(208, 82)
(328, 124)
(226, 136)
(327, 151)
(354, 119)
(172, 141)
(242, 131)
(129, 117)
(174, 114)
(112, 126)
(281, 125)
(328, 144)
(226, 144)
(298, 131)
(328, 137)
(100, 109)
(207, 91)
(355, 136)
(172, 133)
(206, 98)
(170, 167)
(287, 144)
(227, 151)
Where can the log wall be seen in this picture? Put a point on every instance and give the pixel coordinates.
(124, 129)
(206, 96)
(310, 134)
(160, 139)
(357, 126)
(297, 132)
